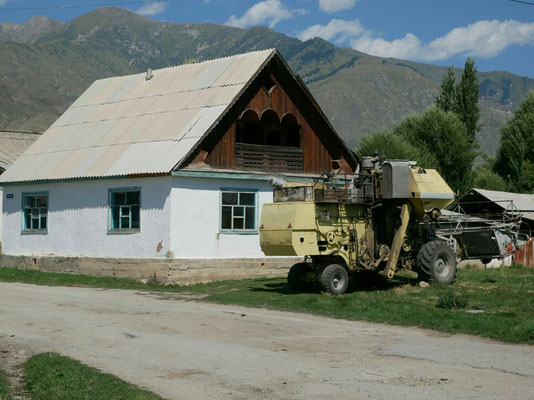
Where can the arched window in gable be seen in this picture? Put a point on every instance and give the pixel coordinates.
(271, 128)
(290, 130)
(249, 129)
(268, 143)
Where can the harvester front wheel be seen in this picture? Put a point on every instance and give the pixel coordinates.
(436, 262)
(335, 279)
(296, 278)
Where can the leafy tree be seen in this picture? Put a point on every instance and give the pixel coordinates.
(462, 98)
(435, 139)
(467, 101)
(443, 135)
(395, 147)
(515, 157)
(486, 178)
(447, 95)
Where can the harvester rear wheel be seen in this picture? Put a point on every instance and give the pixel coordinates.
(296, 277)
(335, 279)
(436, 262)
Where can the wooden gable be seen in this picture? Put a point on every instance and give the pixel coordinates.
(274, 126)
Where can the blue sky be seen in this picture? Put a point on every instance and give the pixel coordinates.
(498, 34)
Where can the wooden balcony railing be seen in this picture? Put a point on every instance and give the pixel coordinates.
(268, 158)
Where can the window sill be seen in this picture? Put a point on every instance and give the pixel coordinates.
(123, 231)
(239, 232)
(35, 232)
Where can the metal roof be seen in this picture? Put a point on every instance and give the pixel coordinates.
(130, 125)
(13, 144)
(523, 202)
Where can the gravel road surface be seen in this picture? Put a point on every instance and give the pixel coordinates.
(187, 350)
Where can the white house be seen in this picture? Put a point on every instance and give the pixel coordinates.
(164, 173)
(12, 145)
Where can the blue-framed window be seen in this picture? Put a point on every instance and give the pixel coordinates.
(125, 209)
(35, 212)
(239, 210)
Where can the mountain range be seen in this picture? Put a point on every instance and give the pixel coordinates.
(46, 64)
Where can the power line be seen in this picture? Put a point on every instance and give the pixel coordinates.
(523, 2)
(83, 6)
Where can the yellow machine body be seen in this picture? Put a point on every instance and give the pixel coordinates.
(428, 191)
(344, 221)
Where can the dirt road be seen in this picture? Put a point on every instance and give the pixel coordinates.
(188, 350)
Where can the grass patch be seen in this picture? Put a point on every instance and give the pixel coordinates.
(55, 279)
(495, 303)
(4, 387)
(52, 376)
(451, 301)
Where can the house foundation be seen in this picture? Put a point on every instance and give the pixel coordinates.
(167, 271)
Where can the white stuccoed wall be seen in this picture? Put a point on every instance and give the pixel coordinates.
(195, 219)
(1, 202)
(78, 218)
(186, 222)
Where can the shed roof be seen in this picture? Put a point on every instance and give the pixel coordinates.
(523, 202)
(130, 125)
(13, 144)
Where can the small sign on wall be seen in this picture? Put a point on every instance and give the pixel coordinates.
(9, 195)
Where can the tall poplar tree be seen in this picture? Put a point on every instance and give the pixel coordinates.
(446, 100)
(515, 157)
(467, 101)
(462, 99)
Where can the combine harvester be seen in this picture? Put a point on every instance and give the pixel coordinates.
(385, 217)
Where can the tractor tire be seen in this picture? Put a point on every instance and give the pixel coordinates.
(436, 262)
(296, 277)
(335, 279)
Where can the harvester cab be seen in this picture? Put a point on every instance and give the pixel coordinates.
(384, 217)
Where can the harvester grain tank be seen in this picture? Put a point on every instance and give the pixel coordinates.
(383, 218)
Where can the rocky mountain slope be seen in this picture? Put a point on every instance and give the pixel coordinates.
(47, 64)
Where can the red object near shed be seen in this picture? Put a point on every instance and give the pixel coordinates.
(525, 254)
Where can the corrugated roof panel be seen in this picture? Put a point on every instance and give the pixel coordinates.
(159, 84)
(169, 125)
(522, 201)
(102, 111)
(90, 93)
(41, 141)
(86, 162)
(214, 96)
(174, 154)
(13, 144)
(58, 140)
(187, 74)
(45, 164)
(242, 68)
(183, 100)
(16, 171)
(163, 104)
(76, 115)
(139, 88)
(115, 89)
(107, 160)
(119, 130)
(204, 120)
(126, 83)
(93, 133)
(68, 164)
(211, 73)
(61, 140)
(138, 131)
(129, 108)
(150, 153)
(148, 126)
(105, 92)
